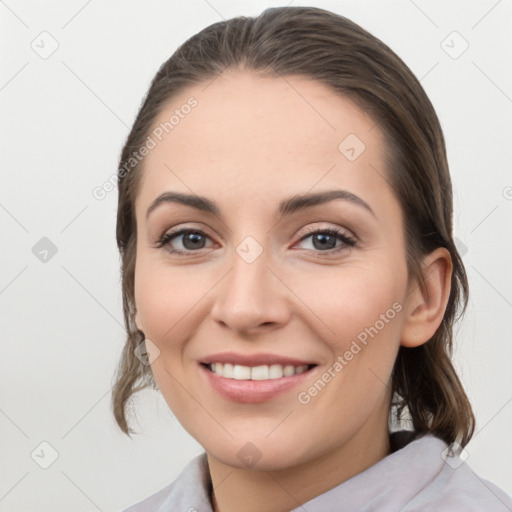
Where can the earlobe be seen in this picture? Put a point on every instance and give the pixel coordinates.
(425, 306)
(138, 323)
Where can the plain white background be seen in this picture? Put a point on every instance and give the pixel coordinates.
(64, 119)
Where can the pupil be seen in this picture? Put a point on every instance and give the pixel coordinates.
(323, 238)
(194, 238)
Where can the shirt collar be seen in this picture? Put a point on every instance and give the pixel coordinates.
(394, 479)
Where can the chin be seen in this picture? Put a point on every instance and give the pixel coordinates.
(259, 454)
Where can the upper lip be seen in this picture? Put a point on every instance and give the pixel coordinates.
(254, 359)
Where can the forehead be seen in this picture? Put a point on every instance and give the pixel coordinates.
(254, 135)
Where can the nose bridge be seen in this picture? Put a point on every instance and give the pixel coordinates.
(249, 295)
(249, 279)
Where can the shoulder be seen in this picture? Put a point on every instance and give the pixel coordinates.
(462, 489)
(455, 487)
(151, 502)
(190, 491)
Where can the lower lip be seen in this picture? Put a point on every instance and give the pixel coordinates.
(252, 391)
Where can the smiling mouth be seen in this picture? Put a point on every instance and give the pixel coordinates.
(260, 372)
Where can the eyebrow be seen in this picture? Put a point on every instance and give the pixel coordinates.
(286, 207)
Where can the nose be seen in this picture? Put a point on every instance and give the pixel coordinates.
(251, 296)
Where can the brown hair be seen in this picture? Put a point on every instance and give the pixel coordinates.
(333, 50)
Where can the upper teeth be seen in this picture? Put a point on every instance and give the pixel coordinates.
(265, 372)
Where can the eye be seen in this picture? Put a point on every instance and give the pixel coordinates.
(192, 240)
(324, 240)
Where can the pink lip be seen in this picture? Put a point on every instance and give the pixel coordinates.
(252, 391)
(254, 359)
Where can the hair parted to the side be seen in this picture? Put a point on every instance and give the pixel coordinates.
(331, 49)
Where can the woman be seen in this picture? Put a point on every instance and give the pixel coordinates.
(290, 279)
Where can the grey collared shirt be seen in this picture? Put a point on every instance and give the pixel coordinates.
(423, 475)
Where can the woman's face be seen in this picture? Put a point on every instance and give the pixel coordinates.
(255, 287)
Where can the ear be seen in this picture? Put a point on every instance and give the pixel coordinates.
(425, 306)
(138, 323)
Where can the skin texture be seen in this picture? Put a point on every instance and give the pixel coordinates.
(248, 144)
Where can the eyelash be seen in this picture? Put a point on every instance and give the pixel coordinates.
(339, 235)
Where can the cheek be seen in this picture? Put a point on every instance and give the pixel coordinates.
(167, 300)
(358, 309)
(348, 301)
(360, 322)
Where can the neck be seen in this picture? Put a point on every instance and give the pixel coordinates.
(285, 489)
